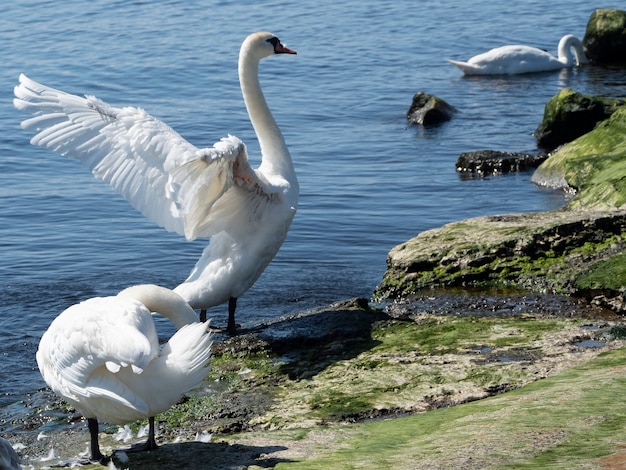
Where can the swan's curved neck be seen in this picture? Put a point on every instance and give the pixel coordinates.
(163, 301)
(275, 155)
(565, 51)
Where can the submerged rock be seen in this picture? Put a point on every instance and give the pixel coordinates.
(428, 110)
(489, 162)
(605, 37)
(569, 115)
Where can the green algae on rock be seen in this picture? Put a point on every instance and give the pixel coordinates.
(593, 165)
(605, 37)
(568, 115)
(543, 252)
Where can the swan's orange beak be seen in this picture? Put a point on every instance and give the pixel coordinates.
(280, 49)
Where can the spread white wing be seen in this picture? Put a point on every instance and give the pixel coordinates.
(161, 174)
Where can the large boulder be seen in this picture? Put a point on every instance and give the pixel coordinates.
(569, 114)
(544, 252)
(592, 166)
(605, 37)
(428, 110)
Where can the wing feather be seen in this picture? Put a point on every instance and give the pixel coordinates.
(103, 332)
(166, 178)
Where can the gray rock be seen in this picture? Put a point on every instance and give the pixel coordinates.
(428, 110)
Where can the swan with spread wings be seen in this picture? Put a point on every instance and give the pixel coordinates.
(195, 192)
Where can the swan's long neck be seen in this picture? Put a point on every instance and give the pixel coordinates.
(566, 44)
(163, 301)
(275, 155)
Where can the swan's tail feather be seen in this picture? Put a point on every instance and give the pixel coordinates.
(463, 66)
(187, 355)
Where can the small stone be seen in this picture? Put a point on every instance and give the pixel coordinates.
(428, 110)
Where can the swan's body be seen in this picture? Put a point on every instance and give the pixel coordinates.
(9, 460)
(102, 356)
(196, 192)
(510, 60)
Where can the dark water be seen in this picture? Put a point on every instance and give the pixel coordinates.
(368, 182)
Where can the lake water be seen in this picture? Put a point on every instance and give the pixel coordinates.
(368, 180)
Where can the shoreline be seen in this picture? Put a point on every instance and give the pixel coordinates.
(260, 376)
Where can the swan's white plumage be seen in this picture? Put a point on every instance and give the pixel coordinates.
(518, 59)
(103, 356)
(195, 192)
(139, 156)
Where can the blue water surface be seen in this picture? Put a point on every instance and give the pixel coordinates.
(368, 180)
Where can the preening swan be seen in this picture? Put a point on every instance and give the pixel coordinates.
(9, 460)
(196, 192)
(509, 60)
(103, 357)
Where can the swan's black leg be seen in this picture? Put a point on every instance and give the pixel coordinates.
(232, 327)
(96, 455)
(203, 315)
(150, 444)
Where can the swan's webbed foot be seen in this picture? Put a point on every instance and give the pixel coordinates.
(96, 457)
(221, 329)
(233, 330)
(150, 444)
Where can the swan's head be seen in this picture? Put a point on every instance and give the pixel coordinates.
(264, 44)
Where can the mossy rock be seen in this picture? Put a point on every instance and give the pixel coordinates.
(605, 283)
(569, 115)
(594, 166)
(605, 37)
(543, 252)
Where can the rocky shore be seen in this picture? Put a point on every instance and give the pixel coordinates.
(490, 342)
(285, 391)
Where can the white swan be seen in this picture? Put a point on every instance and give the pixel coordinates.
(102, 356)
(208, 192)
(9, 460)
(510, 60)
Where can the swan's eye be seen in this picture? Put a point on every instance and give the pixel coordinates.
(274, 41)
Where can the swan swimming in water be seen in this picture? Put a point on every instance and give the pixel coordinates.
(510, 60)
(102, 356)
(195, 192)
